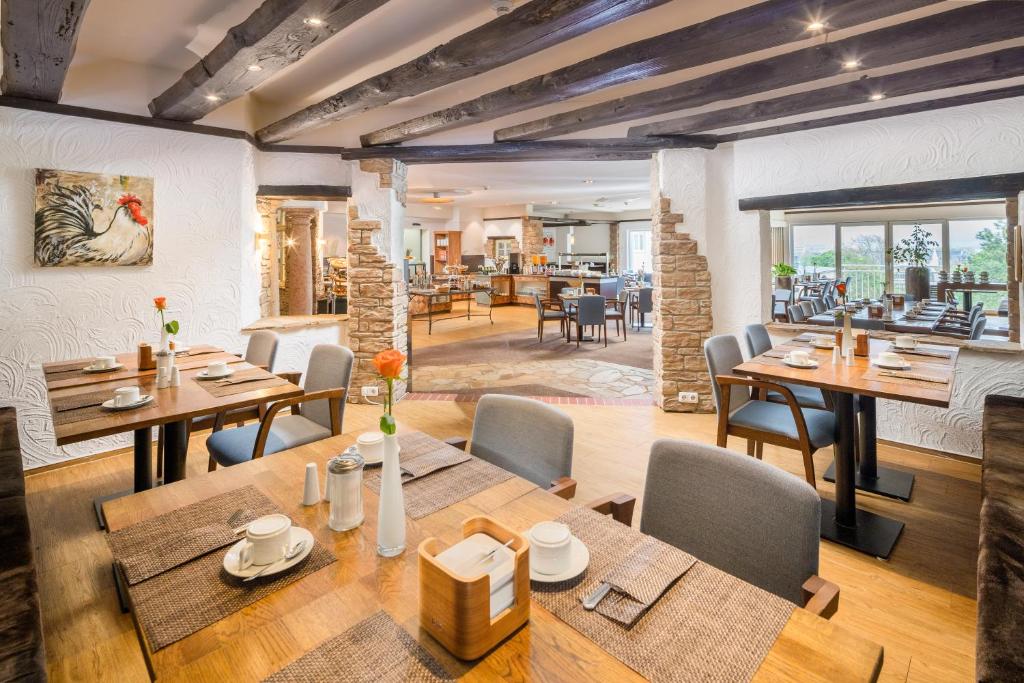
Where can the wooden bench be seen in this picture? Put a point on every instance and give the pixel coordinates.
(21, 631)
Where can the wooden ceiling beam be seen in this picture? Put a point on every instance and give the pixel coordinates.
(556, 150)
(275, 36)
(532, 27)
(38, 39)
(325, 193)
(984, 68)
(764, 25)
(955, 29)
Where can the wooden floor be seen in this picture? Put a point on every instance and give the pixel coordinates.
(919, 605)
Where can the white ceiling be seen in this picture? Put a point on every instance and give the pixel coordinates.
(130, 52)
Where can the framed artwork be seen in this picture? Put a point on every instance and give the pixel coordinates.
(90, 219)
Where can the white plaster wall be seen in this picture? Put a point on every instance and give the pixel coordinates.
(295, 345)
(591, 239)
(287, 168)
(374, 203)
(205, 258)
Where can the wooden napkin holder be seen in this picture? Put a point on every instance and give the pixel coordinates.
(456, 609)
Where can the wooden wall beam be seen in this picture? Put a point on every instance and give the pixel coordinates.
(956, 189)
(955, 29)
(763, 25)
(323, 193)
(532, 27)
(38, 39)
(273, 37)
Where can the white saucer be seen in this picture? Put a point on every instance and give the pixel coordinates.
(205, 375)
(897, 347)
(827, 347)
(372, 462)
(143, 400)
(902, 366)
(91, 369)
(577, 564)
(803, 366)
(296, 535)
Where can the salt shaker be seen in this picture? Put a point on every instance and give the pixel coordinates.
(345, 490)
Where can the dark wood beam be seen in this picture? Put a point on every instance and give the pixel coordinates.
(556, 150)
(984, 68)
(764, 25)
(532, 27)
(957, 189)
(325, 193)
(38, 39)
(885, 112)
(955, 29)
(275, 36)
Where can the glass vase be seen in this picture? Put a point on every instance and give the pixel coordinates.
(391, 509)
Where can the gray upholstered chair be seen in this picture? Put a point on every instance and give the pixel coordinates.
(548, 310)
(761, 421)
(780, 299)
(641, 306)
(314, 416)
(807, 308)
(829, 301)
(589, 312)
(818, 305)
(617, 312)
(743, 516)
(526, 437)
(758, 341)
(262, 349)
(795, 313)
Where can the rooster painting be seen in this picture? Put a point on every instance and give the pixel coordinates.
(86, 219)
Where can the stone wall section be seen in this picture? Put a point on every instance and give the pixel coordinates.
(613, 247)
(267, 244)
(682, 314)
(533, 240)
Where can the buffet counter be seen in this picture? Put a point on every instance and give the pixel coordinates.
(519, 289)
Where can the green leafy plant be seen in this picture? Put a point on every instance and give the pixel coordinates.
(783, 270)
(915, 250)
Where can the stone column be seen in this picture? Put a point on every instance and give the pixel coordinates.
(316, 236)
(533, 240)
(299, 261)
(269, 279)
(613, 246)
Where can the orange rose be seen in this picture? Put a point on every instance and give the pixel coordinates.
(160, 302)
(389, 363)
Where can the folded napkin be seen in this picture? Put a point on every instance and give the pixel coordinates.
(243, 376)
(637, 582)
(775, 354)
(914, 375)
(429, 463)
(173, 550)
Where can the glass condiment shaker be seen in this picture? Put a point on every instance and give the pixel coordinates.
(345, 490)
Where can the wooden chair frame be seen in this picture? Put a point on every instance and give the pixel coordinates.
(551, 305)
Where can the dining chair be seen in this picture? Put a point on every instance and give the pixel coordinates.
(526, 437)
(758, 342)
(741, 515)
(315, 415)
(781, 298)
(818, 305)
(642, 305)
(807, 309)
(590, 311)
(548, 310)
(759, 421)
(617, 312)
(977, 328)
(829, 301)
(795, 313)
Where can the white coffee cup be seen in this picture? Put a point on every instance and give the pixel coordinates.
(371, 446)
(217, 368)
(823, 340)
(266, 540)
(104, 362)
(890, 358)
(799, 357)
(126, 396)
(551, 547)
(905, 341)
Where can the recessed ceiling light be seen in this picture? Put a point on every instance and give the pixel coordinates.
(816, 25)
(313, 21)
(588, 181)
(877, 96)
(553, 201)
(437, 208)
(851, 64)
(213, 98)
(254, 67)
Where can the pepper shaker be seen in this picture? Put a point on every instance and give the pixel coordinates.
(345, 490)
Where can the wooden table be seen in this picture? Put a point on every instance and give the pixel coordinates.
(968, 288)
(899, 323)
(842, 521)
(433, 296)
(174, 409)
(262, 638)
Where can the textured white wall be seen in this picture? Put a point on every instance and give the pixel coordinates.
(204, 256)
(287, 168)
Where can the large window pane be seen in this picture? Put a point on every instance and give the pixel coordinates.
(814, 249)
(638, 252)
(980, 244)
(901, 231)
(863, 259)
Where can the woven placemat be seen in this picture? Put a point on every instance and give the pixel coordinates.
(910, 377)
(709, 626)
(376, 649)
(220, 389)
(428, 494)
(69, 366)
(168, 540)
(180, 601)
(87, 406)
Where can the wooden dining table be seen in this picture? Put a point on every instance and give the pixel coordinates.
(258, 640)
(924, 324)
(854, 389)
(173, 408)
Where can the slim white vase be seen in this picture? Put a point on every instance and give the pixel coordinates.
(165, 340)
(391, 511)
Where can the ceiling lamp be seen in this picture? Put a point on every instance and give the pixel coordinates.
(313, 21)
(213, 98)
(816, 25)
(851, 64)
(877, 96)
(502, 6)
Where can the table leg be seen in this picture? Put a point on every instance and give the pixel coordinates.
(870, 477)
(175, 450)
(841, 521)
(967, 299)
(143, 473)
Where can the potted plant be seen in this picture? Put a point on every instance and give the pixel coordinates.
(916, 251)
(783, 273)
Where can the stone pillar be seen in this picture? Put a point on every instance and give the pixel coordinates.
(533, 240)
(299, 261)
(269, 279)
(613, 247)
(316, 236)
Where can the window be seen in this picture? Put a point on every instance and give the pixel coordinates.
(638, 250)
(980, 245)
(862, 259)
(814, 249)
(901, 231)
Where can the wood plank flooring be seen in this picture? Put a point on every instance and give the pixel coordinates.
(919, 605)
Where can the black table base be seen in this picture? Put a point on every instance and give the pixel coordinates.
(871, 533)
(888, 482)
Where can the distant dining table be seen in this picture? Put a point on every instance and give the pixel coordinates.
(855, 388)
(903, 320)
(345, 609)
(75, 396)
